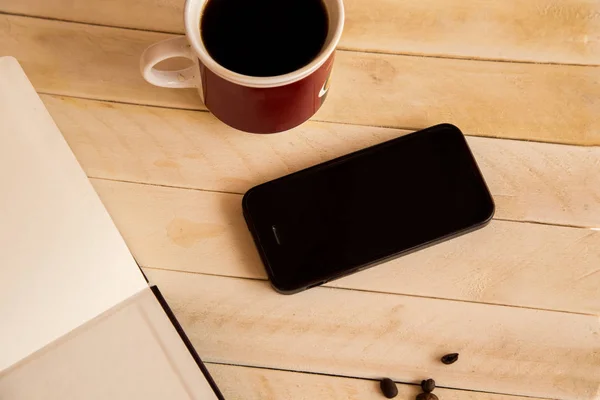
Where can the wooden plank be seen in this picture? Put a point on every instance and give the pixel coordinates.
(529, 265)
(530, 181)
(86, 61)
(503, 349)
(159, 15)
(538, 30)
(247, 383)
(528, 101)
(523, 101)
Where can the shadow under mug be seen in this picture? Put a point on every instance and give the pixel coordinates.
(248, 103)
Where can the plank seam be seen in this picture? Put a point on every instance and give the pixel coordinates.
(165, 185)
(340, 48)
(127, 103)
(360, 378)
(71, 21)
(331, 287)
(463, 58)
(412, 129)
(162, 185)
(399, 128)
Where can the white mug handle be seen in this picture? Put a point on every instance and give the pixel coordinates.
(170, 48)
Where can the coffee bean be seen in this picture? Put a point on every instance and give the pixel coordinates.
(428, 385)
(450, 358)
(388, 388)
(427, 396)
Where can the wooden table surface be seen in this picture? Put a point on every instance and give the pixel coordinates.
(519, 300)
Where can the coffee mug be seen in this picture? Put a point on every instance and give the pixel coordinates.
(248, 103)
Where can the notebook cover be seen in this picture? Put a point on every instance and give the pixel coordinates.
(63, 262)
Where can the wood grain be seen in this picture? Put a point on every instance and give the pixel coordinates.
(247, 383)
(530, 181)
(86, 61)
(523, 101)
(537, 30)
(366, 334)
(528, 265)
(158, 15)
(554, 103)
(503, 349)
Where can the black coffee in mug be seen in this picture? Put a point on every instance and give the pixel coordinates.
(264, 37)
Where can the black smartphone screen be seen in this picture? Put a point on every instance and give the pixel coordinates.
(343, 215)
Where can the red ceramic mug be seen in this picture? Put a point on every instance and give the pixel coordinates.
(248, 103)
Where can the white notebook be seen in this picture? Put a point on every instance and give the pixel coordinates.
(77, 317)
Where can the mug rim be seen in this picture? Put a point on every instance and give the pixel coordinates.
(192, 17)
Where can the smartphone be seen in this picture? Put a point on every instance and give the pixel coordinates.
(350, 213)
